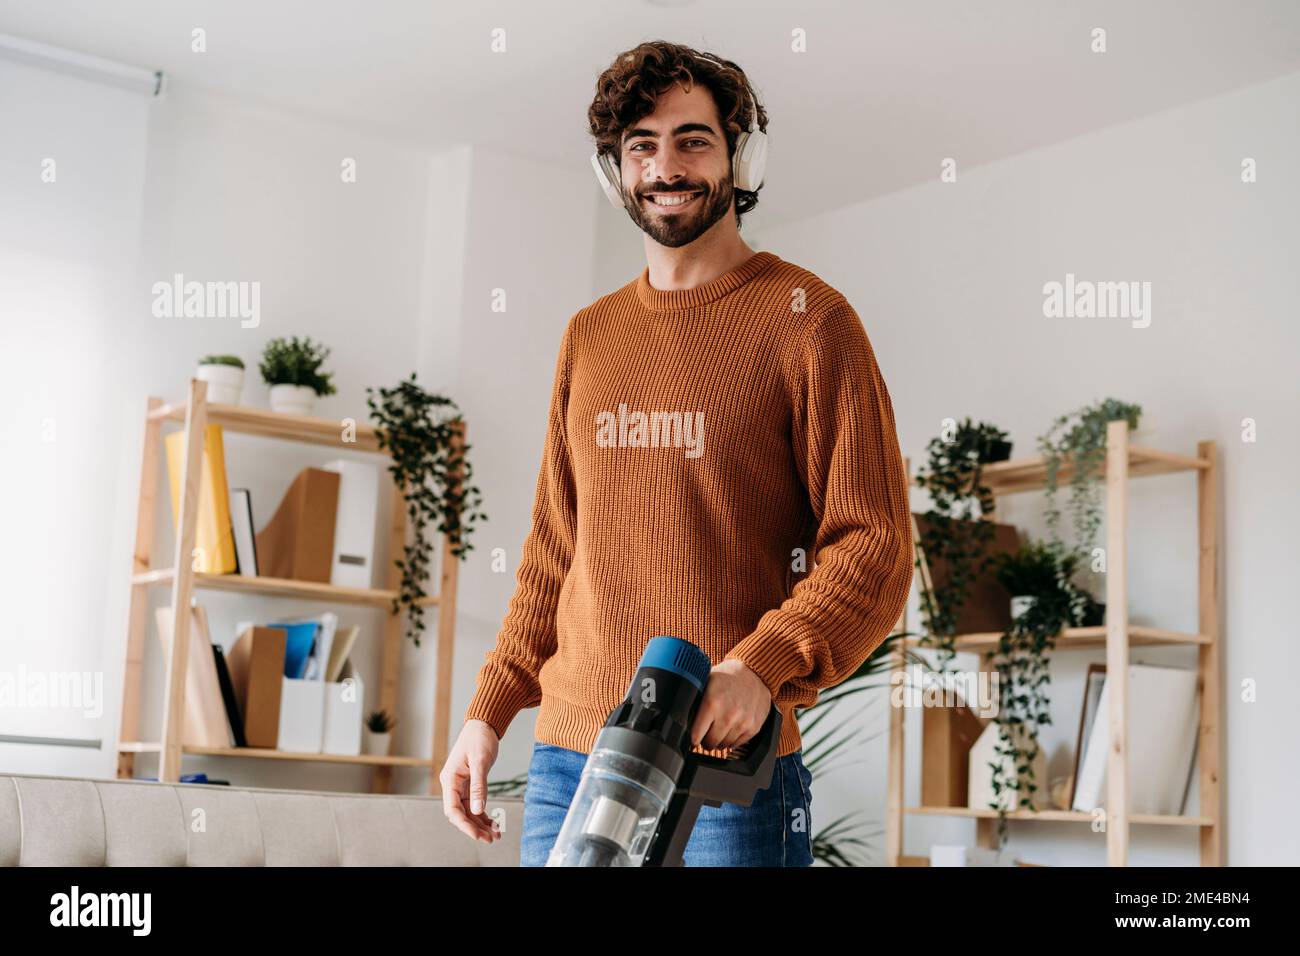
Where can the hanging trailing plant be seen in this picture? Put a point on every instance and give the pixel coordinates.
(434, 474)
(1084, 444)
(957, 531)
(1020, 661)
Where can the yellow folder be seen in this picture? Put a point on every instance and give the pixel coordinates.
(213, 543)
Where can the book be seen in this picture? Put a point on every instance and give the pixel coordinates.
(228, 696)
(340, 652)
(241, 521)
(318, 659)
(205, 723)
(214, 546)
(1092, 685)
(300, 638)
(1162, 736)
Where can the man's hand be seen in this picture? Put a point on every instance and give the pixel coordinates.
(735, 705)
(464, 781)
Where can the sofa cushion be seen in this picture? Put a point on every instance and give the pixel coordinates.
(67, 821)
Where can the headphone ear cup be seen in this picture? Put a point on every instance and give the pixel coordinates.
(608, 175)
(749, 160)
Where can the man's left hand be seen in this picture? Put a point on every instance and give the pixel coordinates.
(735, 705)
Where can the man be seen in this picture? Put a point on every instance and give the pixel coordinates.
(721, 465)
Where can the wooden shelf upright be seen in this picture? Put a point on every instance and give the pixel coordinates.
(1123, 461)
(194, 415)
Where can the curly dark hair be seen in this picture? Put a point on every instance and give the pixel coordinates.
(626, 92)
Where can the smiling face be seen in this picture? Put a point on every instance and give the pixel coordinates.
(676, 167)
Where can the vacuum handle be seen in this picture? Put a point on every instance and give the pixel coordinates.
(756, 750)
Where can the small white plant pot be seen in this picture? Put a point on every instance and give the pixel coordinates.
(377, 745)
(225, 383)
(293, 399)
(1020, 604)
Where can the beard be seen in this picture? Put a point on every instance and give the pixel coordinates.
(678, 228)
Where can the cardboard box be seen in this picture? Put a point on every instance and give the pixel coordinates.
(256, 662)
(947, 735)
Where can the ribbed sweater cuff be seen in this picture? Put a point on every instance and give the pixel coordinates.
(496, 704)
(774, 657)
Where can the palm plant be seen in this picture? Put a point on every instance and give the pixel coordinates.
(847, 840)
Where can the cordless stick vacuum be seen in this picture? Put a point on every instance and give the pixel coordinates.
(642, 787)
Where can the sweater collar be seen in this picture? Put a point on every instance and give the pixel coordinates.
(659, 300)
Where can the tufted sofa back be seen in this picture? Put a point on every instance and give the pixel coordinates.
(69, 821)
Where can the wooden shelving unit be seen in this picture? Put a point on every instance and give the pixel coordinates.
(194, 415)
(1123, 461)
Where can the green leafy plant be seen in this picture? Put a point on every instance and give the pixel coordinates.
(1080, 437)
(1032, 570)
(380, 721)
(1020, 660)
(234, 360)
(431, 468)
(958, 531)
(296, 362)
(510, 787)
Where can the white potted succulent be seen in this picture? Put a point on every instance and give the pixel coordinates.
(292, 369)
(379, 733)
(225, 377)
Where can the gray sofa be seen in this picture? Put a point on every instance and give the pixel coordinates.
(66, 821)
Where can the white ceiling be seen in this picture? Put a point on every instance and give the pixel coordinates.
(885, 90)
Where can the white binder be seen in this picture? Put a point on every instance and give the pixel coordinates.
(354, 528)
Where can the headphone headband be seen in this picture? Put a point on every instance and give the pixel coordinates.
(753, 119)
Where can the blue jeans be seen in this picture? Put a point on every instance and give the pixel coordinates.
(774, 830)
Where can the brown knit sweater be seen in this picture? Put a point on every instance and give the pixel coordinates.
(721, 465)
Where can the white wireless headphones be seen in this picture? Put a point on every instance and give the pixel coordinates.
(748, 159)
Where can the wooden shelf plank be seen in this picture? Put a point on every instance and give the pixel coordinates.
(262, 421)
(138, 747)
(281, 587)
(1030, 474)
(1079, 638)
(1058, 816)
(263, 753)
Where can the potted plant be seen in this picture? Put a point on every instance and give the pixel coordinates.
(293, 370)
(1080, 437)
(996, 448)
(958, 530)
(379, 733)
(1026, 574)
(225, 377)
(431, 469)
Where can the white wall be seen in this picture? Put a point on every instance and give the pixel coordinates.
(948, 280)
(71, 178)
(528, 237)
(234, 192)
